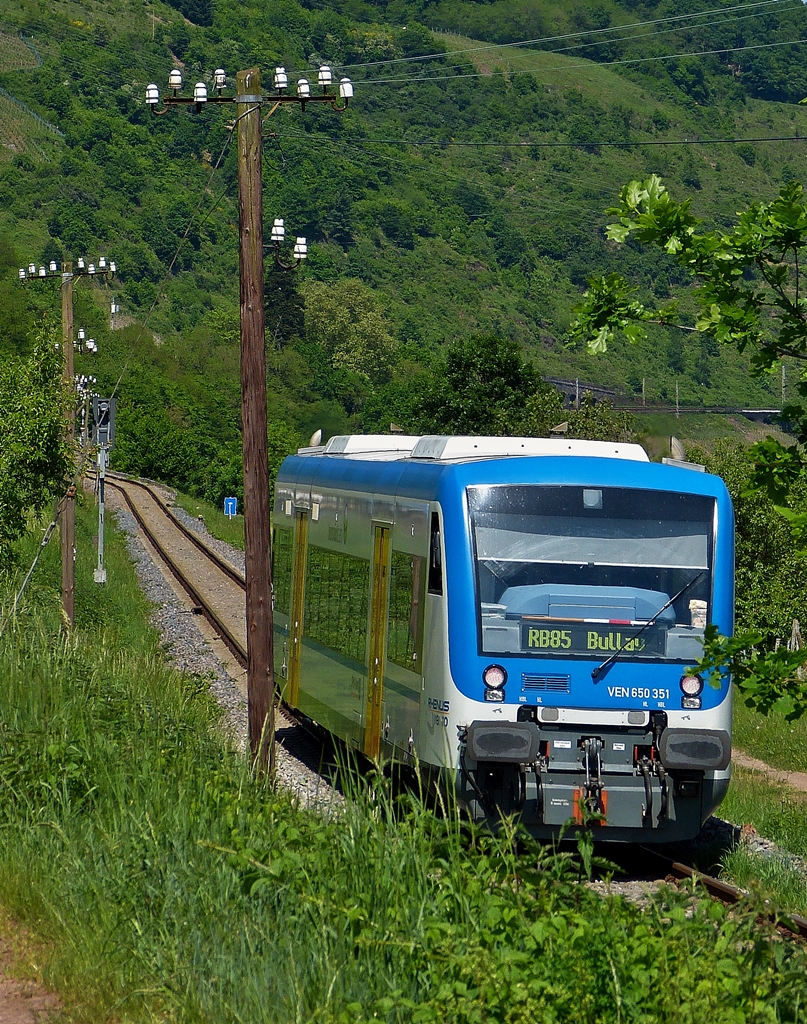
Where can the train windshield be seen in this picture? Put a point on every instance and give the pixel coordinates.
(578, 571)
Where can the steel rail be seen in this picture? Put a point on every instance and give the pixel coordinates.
(192, 536)
(792, 924)
(233, 644)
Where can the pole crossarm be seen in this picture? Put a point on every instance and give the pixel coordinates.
(337, 99)
(255, 98)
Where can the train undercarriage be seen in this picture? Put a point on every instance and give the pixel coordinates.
(655, 782)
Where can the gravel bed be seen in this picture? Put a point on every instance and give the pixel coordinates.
(298, 754)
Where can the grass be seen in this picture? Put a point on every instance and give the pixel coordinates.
(166, 883)
(771, 738)
(219, 525)
(555, 70)
(772, 877)
(14, 54)
(777, 814)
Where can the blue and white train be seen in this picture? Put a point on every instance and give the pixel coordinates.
(517, 615)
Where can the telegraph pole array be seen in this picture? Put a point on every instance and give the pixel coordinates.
(250, 101)
(67, 519)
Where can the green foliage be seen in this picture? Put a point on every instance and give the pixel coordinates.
(486, 386)
(34, 458)
(425, 244)
(198, 11)
(346, 323)
(766, 679)
(599, 421)
(771, 577)
(164, 879)
(609, 309)
(748, 277)
(481, 388)
(169, 881)
(749, 295)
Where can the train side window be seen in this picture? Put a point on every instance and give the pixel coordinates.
(282, 547)
(435, 558)
(405, 636)
(336, 595)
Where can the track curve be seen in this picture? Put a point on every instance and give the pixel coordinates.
(215, 587)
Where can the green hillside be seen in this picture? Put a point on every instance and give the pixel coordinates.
(462, 193)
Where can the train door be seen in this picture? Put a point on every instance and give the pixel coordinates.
(379, 601)
(297, 606)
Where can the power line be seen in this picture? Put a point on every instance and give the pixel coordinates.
(180, 244)
(638, 36)
(570, 35)
(583, 143)
(489, 189)
(764, 6)
(590, 66)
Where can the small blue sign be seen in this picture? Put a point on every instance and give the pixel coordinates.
(231, 507)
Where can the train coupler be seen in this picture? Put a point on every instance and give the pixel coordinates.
(591, 800)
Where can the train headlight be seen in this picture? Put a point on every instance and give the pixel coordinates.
(494, 677)
(691, 686)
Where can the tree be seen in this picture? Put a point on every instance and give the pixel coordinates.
(347, 323)
(750, 295)
(35, 459)
(481, 388)
(486, 386)
(599, 421)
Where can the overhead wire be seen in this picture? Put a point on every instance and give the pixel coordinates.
(486, 187)
(572, 35)
(760, 7)
(586, 143)
(591, 65)
(626, 38)
(764, 7)
(180, 245)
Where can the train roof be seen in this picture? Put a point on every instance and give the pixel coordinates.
(426, 467)
(456, 448)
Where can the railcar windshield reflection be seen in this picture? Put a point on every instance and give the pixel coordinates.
(578, 571)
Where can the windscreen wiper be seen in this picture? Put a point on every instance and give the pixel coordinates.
(598, 671)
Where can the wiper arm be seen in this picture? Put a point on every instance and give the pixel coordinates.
(598, 671)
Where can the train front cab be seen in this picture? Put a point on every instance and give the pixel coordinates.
(571, 629)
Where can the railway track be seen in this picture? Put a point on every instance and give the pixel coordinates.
(721, 891)
(217, 591)
(215, 587)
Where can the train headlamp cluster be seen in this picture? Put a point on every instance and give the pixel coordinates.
(691, 688)
(494, 677)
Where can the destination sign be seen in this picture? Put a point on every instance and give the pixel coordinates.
(590, 638)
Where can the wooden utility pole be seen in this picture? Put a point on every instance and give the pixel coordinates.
(67, 520)
(257, 543)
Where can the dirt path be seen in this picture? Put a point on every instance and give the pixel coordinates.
(21, 1002)
(795, 780)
